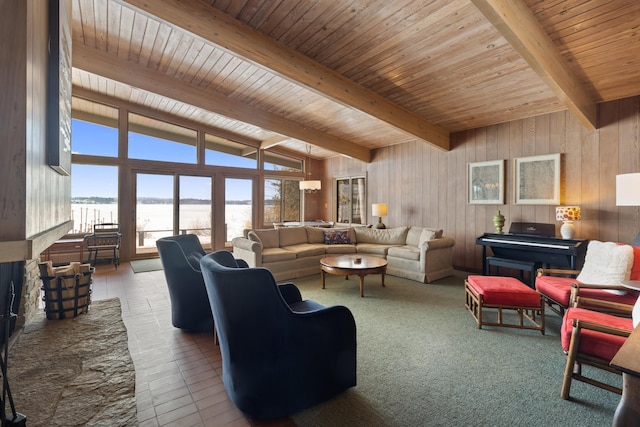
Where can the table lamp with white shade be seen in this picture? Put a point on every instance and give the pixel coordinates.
(379, 210)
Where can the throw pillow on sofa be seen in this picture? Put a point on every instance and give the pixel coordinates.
(336, 237)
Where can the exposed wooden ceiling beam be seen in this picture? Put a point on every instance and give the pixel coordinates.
(516, 23)
(224, 31)
(121, 70)
(272, 142)
(160, 115)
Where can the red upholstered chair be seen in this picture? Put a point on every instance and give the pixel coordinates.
(560, 288)
(593, 338)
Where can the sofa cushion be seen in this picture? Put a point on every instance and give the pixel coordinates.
(427, 235)
(315, 235)
(340, 249)
(268, 238)
(372, 248)
(413, 236)
(251, 235)
(305, 249)
(438, 232)
(336, 237)
(606, 263)
(406, 252)
(391, 236)
(277, 254)
(292, 236)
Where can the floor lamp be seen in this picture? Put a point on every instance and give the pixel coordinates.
(628, 193)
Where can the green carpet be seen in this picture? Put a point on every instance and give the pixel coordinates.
(422, 361)
(143, 265)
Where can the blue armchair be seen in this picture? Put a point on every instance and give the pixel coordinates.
(280, 354)
(180, 256)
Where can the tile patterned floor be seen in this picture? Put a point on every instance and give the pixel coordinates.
(178, 375)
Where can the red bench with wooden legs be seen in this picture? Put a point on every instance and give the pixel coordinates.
(504, 293)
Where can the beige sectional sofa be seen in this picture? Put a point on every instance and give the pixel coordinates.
(416, 253)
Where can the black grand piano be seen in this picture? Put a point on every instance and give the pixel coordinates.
(529, 245)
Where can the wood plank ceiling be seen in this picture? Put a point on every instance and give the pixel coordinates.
(350, 76)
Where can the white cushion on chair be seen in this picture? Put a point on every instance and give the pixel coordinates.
(606, 263)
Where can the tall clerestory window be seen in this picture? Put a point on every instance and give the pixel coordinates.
(151, 139)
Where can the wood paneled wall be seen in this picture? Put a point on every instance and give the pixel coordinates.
(426, 186)
(35, 200)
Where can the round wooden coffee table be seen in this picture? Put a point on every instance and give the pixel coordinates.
(346, 265)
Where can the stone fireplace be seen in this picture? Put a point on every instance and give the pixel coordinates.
(20, 288)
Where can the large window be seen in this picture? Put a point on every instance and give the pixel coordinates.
(194, 207)
(351, 200)
(151, 139)
(94, 128)
(238, 208)
(94, 196)
(279, 162)
(281, 200)
(154, 210)
(170, 186)
(222, 152)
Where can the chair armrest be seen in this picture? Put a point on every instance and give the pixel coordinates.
(290, 293)
(597, 304)
(335, 318)
(557, 271)
(610, 307)
(598, 327)
(577, 287)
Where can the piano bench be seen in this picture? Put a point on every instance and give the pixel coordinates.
(530, 266)
(504, 293)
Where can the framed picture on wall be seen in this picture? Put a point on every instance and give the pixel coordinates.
(537, 180)
(485, 183)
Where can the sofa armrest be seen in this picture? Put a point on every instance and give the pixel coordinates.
(441, 243)
(438, 258)
(247, 250)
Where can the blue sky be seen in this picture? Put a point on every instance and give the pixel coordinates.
(101, 181)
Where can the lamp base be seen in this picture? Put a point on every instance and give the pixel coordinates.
(380, 225)
(568, 230)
